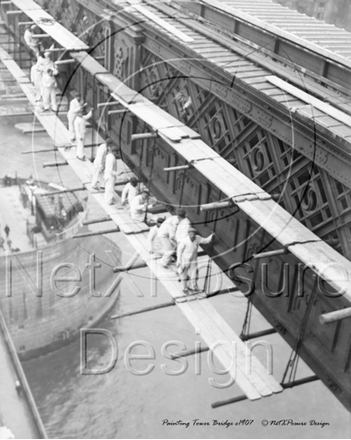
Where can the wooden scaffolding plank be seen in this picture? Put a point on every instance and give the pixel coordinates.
(25, 5)
(222, 352)
(49, 25)
(242, 349)
(213, 325)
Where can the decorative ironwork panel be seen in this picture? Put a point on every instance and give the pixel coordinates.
(256, 159)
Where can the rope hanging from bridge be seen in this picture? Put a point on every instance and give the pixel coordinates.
(207, 282)
(182, 189)
(247, 321)
(295, 353)
(151, 169)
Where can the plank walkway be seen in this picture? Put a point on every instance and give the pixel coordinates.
(49, 25)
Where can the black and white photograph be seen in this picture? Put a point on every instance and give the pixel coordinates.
(175, 219)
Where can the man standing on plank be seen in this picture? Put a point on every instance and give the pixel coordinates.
(110, 174)
(49, 71)
(32, 42)
(36, 76)
(167, 236)
(80, 125)
(183, 226)
(75, 107)
(153, 241)
(187, 258)
(99, 163)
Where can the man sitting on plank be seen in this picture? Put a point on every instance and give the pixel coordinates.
(130, 191)
(139, 207)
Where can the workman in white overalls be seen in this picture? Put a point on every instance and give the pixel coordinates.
(153, 241)
(75, 107)
(99, 163)
(139, 207)
(36, 77)
(130, 191)
(32, 42)
(49, 71)
(80, 125)
(167, 236)
(187, 258)
(110, 174)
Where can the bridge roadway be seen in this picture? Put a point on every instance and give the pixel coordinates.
(18, 411)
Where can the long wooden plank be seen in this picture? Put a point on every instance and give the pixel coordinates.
(13, 66)
(49, 25)
(26, 5)
(258, 368)
(221, 353)
(106, 78)
(225, 351)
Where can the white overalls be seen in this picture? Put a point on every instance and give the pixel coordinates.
(99, 165)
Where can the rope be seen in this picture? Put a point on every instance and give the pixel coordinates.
(295, 353)
(247, 321)
(207, 283)
(93, 119)
(151, 171)
(182, 190)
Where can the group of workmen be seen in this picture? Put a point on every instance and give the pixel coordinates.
(43, 77)
(171, 239)
(174, 238)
